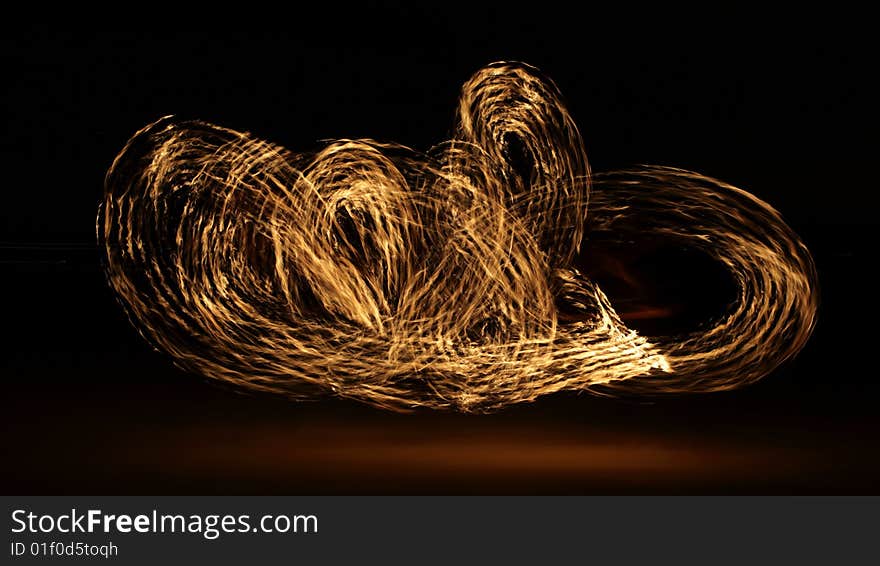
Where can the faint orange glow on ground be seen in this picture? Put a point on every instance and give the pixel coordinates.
(487, 454)
(195, 439)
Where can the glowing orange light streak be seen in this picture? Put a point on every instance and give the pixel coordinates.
(404, 279)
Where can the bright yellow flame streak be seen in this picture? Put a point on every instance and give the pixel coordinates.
(403, 279)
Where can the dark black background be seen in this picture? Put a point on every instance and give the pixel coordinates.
(782, 108)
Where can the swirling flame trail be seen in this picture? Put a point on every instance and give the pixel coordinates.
(404, 279)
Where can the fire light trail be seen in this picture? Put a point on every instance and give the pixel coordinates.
(401, 279)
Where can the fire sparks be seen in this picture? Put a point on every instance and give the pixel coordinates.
(404, 279)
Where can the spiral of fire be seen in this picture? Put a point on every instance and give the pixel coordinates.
(402, 279)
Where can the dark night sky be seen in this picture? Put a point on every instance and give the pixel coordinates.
(783, 109)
